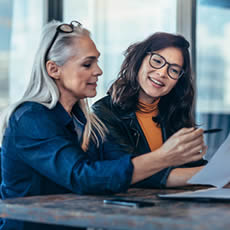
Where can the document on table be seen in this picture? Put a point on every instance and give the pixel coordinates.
(217, 171)
(205, 194)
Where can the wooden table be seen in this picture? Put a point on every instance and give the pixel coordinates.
(89, 211)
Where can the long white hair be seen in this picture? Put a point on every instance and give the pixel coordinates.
(42, 88)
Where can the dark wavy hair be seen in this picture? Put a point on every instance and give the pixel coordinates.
(175, 108)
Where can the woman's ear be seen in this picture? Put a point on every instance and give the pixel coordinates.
(53, 69)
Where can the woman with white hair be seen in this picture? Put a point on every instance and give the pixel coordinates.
(49, 138)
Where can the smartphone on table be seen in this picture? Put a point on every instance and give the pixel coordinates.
(129, 203)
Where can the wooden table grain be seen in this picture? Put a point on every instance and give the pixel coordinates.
(89, 211)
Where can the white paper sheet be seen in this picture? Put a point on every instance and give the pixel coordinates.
(217, 171)
(211, 193)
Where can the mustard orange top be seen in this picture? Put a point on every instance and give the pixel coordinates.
(151, 131)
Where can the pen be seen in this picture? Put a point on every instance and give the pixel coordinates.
(212, 130)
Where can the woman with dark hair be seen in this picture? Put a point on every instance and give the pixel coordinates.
(149, 109)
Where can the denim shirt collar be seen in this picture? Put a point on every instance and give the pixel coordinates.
(64, 117)
(78, 113)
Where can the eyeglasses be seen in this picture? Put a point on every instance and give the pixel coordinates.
(157, 61)
(63, 28)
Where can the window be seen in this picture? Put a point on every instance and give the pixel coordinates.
(5, 33)
(213, 60)
(213, 68)
(117, 24)
(27, 21)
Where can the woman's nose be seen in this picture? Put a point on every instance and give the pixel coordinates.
(163, 72)
(98, 71)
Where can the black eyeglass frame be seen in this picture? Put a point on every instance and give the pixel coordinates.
(165, 62)
(62, 28)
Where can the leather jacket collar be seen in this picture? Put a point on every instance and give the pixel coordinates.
(135, 132)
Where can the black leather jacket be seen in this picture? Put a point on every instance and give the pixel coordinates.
(124, 129)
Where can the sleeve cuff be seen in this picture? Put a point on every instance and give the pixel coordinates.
(165, 177)
(121, 181)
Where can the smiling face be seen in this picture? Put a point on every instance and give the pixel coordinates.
(156, 83)
(77, 78)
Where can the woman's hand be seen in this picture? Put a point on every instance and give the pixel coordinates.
(184, 146)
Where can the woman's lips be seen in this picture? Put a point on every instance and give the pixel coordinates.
(92, 83)
(156, 82)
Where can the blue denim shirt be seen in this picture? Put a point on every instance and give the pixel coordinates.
(41, 154)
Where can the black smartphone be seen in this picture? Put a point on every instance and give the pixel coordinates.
(129, 203)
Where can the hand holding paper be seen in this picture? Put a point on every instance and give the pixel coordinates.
(217, 171)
